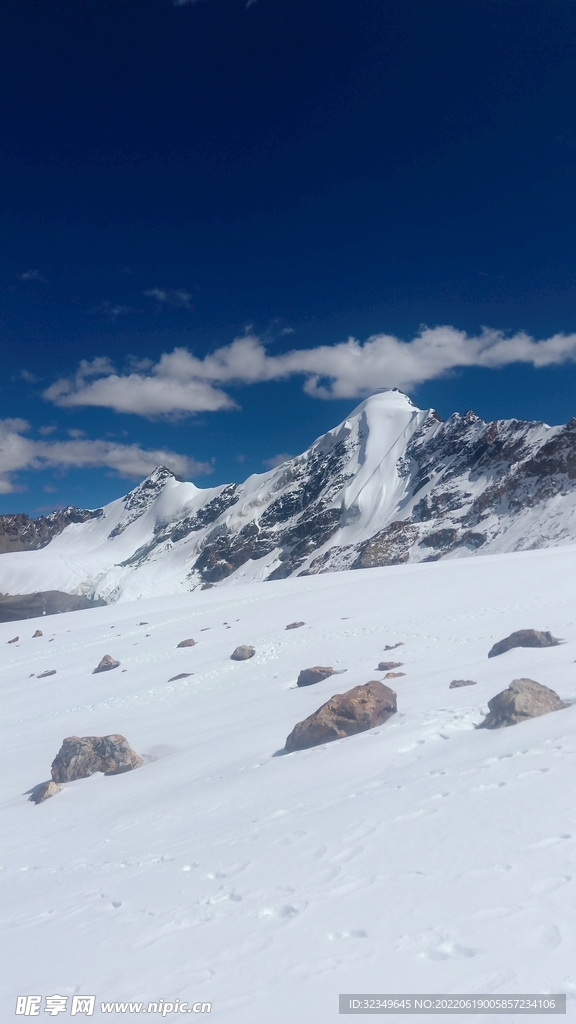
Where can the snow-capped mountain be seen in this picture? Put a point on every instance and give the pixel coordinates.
(390, 484)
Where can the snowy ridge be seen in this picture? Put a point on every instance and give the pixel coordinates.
(421, 856)
(390, 484)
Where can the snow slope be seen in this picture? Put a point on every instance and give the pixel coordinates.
(420, 856)
(390, 484)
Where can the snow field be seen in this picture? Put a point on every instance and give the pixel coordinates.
(420, 856)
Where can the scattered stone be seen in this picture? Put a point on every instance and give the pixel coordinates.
(386, 666)
(295, 625)
(51, 641)
(50, 672)
(181, 675)
(242, 653)
(187, 643)
(316, 674)
(37, 633)
(82, 756)
(14, 640)
(142, 623)
(392, 647)
(523, 699)
(524, 638)
(44, 791)
(345, 714)
(106, 664)
(462, 682)
(31, 675)
(394, 675)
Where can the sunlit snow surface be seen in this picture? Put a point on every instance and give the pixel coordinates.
(420, 856)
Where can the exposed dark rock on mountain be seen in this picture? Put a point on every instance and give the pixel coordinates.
(523, 699)
(48, 602)
(345, 714)
(187, 643)
(20, 533)
(524, 638)
(37, 633)
(387, 666)
(82, 756)
(295, 625)
(49, 672)
(456, 683)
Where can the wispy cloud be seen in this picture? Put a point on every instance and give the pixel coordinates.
(31, 275)
(20, 452)
(30, 378)
(177, 298)
(277, 460)
(182, 384)
(110, 310)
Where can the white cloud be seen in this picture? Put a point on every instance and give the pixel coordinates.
(175, 297)
(277, 460)
(110, 310)
(19, 452)
(181, 384)
(31, 275)
(30, 378)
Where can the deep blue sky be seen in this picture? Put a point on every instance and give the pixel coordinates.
(303, 172)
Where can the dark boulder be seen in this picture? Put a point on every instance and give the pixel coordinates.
(187, 643)
(345, 714)
(524, 638)
(82, 756)
(107, 663)
(523, 699)
(316, 674)
(44, 791)
(242, 653)
(462, 682)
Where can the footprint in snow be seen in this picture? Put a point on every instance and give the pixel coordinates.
(549, 842)
(448, 951)
(544, 885)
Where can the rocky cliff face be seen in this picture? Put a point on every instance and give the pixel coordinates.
(390, 484)
(20, 533)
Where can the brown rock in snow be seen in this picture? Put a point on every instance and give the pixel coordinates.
(106, 664)
(392, 647)
(316, 674)
(242, 653)
(524, 638)
(37, 633)
(386, 666)
(295, 625)
(187, 643)
(50, 672)
(345, 714)
(82, 756)
(394, 675)
(462, 682)
(523, 699)
(181, 675)
(44, 791)
(14, 640)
